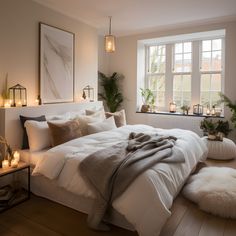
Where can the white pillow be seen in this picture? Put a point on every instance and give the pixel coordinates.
(104, 125)
(38, 135)
(99, 112)
(49, 161)
(85, 120)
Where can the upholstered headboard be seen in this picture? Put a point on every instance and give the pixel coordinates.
(10, 126)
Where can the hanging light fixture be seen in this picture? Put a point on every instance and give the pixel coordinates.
(110, 40)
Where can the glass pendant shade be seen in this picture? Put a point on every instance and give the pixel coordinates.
(110, 40)
(110, 43)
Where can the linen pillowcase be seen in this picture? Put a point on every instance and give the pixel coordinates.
(23, 119)
(85, 120)
(119, 116)
(99, 112)
(38, 135)
(104, 125)
(62, 132)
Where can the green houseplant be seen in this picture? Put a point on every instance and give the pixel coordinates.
(231, 105)
(215, 129)
(5, 93)
(148, 99)
(110, 94)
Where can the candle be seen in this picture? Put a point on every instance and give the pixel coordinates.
(14, 163)
(16, 156)
(208, 111)
(172, 107)
(19, 104)
(7, 104)
(5, 164)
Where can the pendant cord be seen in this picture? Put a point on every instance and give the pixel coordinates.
(110, 26)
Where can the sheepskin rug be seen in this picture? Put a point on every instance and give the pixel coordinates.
(214, 190)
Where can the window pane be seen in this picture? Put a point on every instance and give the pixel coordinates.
(216, 44)
(205, 82)
(214, 98)
(183, 57)
(187, 63)
(157, 85)
(216, 60)
(216, 82)
(182, 90)
(178, 62)
(206, 45)
(178, 48)
(205, 98)
(206, 61)
(157, 59)
(187, 47)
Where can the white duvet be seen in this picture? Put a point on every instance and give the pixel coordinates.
(146, 202)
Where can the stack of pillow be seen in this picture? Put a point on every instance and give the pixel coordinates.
(45, 132)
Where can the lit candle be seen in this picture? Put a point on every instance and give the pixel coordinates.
(7, 104)
(208, 111)
(14, 163)
(19, 104)
(16, 156)
(5, 164)
(172, 107)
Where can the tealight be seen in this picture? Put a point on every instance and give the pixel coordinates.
(5, 164)
(14, 163)
(16, 156)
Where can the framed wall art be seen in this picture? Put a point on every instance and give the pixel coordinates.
(56, 65)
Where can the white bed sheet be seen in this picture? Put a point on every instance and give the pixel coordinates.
(146, 202)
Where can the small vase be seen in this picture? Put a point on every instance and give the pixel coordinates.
(145, 108)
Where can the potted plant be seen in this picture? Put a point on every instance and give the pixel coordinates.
(148, 99)
(5, 93)
(185, 109)
(110, 90)
(231, 105)
(215, 130)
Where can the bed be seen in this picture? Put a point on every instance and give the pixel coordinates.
(147, 201)
(144, 206)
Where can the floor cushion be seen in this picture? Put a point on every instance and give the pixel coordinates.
(221, 150)
(214, 190)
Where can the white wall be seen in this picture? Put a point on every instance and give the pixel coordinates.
(124, 61)
(19, 45)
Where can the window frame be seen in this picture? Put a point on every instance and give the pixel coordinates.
(196, 56)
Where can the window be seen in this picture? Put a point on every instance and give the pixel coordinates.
(182, 73)
(211, 71)
(156, 72)
(186, 69)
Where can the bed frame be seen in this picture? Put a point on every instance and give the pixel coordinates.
(10, 126)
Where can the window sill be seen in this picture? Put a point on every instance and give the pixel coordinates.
(179, 114)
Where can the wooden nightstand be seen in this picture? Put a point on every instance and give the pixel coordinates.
(13, 196)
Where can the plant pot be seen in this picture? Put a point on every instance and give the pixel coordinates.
(145, 108)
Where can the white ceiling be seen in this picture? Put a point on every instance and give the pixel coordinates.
(137, 16)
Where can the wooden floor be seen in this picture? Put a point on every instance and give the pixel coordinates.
(40, 217)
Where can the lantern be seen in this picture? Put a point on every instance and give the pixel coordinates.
(88, 93)
(172, 107)
(18, 95)
(198, 109)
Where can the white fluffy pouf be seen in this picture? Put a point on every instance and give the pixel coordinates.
(214, 190)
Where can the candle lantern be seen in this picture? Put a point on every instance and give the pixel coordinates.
(198, 109)
(18, 95)
(172, 107)
(88, 93)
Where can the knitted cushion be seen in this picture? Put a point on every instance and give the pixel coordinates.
(218, 150)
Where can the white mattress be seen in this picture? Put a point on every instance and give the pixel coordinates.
(31, 157)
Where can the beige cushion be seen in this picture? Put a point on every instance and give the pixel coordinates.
(104, 125)
(218, 150)
(100, 113)
(85, 120)
(64, 131)
(38, 135)
(119, 116)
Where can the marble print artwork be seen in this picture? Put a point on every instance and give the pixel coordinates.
(56, 65)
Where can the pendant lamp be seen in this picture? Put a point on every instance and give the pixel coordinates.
(110, 40)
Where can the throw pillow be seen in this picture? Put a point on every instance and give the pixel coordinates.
(119, 116)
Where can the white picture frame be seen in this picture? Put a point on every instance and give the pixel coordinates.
(56, 65)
